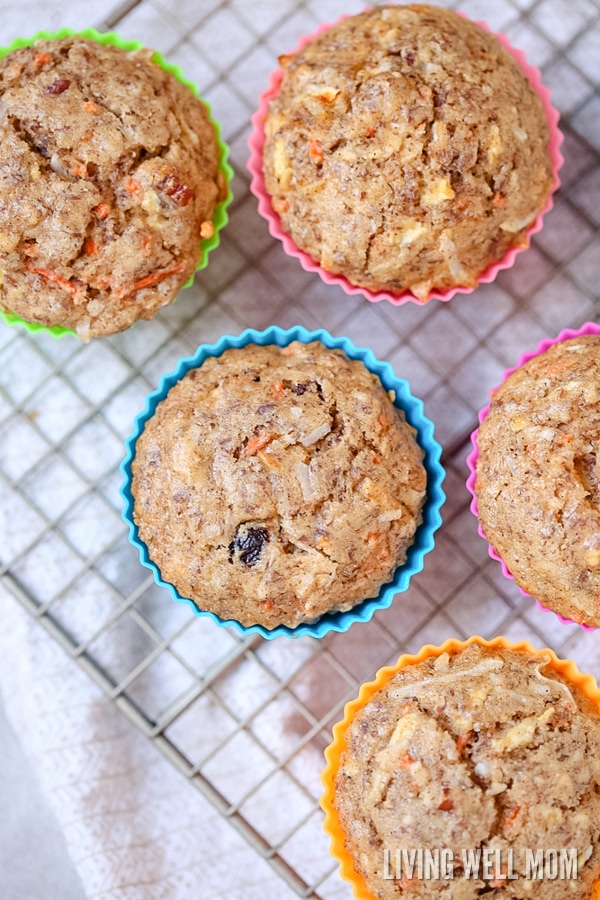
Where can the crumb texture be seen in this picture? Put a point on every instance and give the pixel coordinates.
(274, 485)
(472, 750)
(538, 473)
(108, 172)
(406, 149)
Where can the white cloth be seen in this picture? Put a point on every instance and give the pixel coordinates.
(134, 826)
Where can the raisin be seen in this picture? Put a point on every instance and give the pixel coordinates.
(58, 86)
(248, 544)
(410, 58)
(299, 388)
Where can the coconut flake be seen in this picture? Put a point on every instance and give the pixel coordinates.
(316, 435)
(83, 330)
(303, 476)
(59, 167)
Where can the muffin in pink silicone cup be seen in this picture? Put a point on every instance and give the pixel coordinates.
(535, 475)
(405, 153)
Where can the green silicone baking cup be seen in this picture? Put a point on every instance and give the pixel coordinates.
(220, 217)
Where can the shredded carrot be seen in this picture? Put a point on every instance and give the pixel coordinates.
(278, 389)
(41, 59)
(207, 229)
(90, 107)
(376, 459)
(266, 604)
(383, 420)
(154, 279)
(565, 439)
(64, 283)
(103, 210)
(256, 443)
(132, 186)
(462, 741)
(499, 882)
(373, 537)
(88, 136)
(80, 171)
(90, 246)
(446, 804)
(315, 150)
(557, 368)
(371, 132)
(288, 351)
(511, 817)
(498, 200)
(405, 760)
(280, 204)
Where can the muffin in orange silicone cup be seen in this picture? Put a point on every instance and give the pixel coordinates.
(468, 768)
(405, 153)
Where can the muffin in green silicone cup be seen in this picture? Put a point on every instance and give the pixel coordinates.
(113, 183)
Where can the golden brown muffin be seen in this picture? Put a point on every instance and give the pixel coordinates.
(483, 749)
(406, 149)
(108, 180)
(537, 481)
(273, 485)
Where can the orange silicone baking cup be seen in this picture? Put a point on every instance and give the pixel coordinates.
(333, 754)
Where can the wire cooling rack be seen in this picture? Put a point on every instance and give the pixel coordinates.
(246, 720)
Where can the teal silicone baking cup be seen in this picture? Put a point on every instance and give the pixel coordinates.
(412, 408)
(220, 216)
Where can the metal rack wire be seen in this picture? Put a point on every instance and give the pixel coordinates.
(203, 696)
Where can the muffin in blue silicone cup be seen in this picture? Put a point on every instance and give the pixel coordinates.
(283, 482)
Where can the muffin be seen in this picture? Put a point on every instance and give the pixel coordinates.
(273, 484)
(109, 181)
(477, 746)
(406, 150)
(537, 477)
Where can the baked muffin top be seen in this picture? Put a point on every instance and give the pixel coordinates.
(273, 484)
(476, 749)
(406, 149)
(537, 484)
(108, 180)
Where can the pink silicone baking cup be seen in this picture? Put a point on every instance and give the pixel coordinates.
(256, 143)
(588, 328)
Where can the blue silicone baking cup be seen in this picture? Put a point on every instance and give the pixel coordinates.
(412, 408)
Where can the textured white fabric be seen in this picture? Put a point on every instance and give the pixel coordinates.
(134, 827)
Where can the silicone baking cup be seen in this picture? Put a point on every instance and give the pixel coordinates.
(256, 143)
(333, 754)
(220, 217)
(588, 328)
(413, 411)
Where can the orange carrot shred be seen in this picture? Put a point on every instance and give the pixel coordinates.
(90, 107)
(511, 817)
(55, 278)
(154, 278)
(498, 200)
(256, 443)
(132, 186)
(462, 741)
(90, 246)
(102, 210)
(315, 150)
(278, 388)
(41, 59)
(405, 760)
